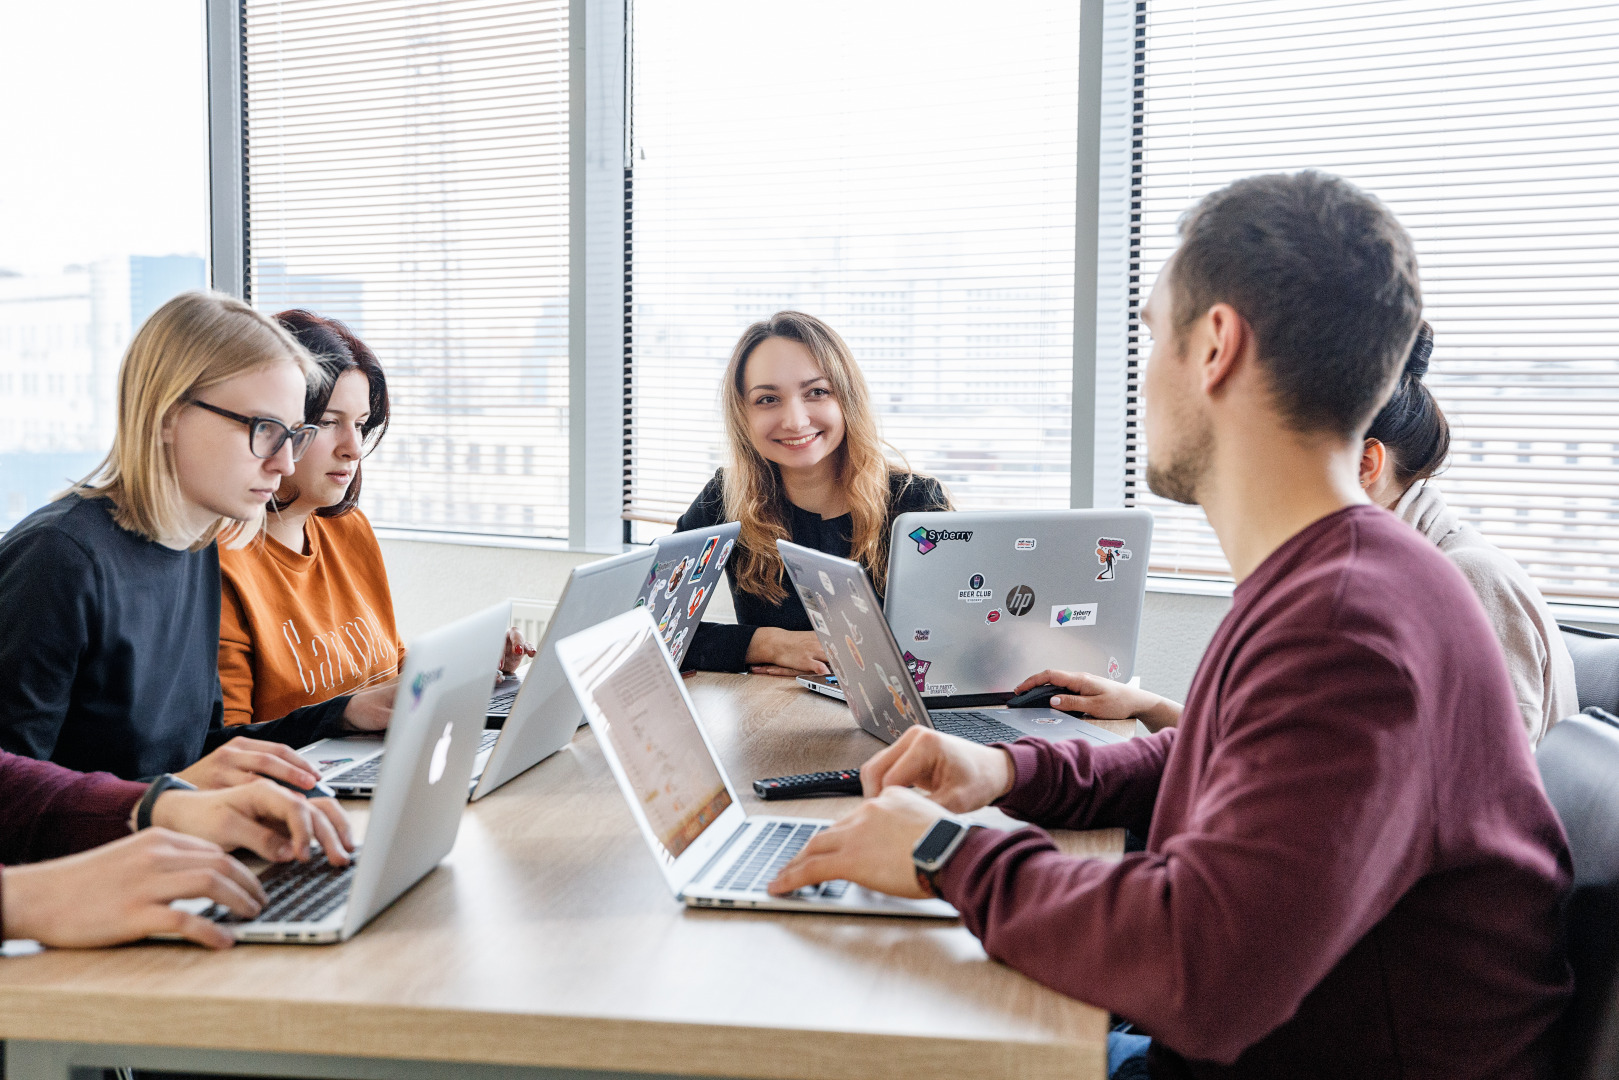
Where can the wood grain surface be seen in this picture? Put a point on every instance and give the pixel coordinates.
(548, 938)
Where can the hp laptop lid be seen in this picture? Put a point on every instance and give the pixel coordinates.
(432, 738)
(984, 600)
(880, 682)
(545, 715)
(710, 853)
(683, 580)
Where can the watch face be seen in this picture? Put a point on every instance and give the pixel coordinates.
(934, 844)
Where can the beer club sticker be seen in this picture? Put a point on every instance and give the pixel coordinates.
(1066, 615)
(975, 593)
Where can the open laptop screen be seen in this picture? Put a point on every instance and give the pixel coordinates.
(657, 742)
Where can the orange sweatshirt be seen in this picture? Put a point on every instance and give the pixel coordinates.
(298, 629)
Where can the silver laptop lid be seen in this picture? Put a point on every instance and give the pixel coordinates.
(875, 675)
(432, 739)
(648, 731)
(545, 714)
(683, 580)
(984, 600)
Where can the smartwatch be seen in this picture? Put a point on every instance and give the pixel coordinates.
(933, 851)
(166, 782)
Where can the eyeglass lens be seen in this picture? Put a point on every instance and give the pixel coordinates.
(269, 435)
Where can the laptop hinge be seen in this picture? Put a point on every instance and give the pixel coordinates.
(963, 701)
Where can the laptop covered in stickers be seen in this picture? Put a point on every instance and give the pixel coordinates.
(872, 669)
(683, 580)
(979, 601)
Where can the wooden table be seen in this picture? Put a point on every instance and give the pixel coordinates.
(548, 941)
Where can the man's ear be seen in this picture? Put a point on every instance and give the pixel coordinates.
(1374, 458)
(1229, 340)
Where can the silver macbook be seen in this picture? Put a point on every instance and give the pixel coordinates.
(981, 601)
(432, 739)
(683, 581)
(711, 854)
(874, 675)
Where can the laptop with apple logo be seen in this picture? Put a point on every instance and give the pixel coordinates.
(426, 772)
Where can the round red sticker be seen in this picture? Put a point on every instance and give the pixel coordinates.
(993, 616)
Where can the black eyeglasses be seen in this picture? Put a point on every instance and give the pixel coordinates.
(267, 435)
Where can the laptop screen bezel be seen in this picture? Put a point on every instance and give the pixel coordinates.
(575, 653)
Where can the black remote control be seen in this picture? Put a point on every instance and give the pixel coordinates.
(802, 786)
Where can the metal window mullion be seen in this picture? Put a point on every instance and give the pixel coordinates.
(227, 148)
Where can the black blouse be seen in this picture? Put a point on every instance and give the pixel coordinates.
(724, 647)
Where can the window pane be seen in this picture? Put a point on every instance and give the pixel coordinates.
(408, 174)
(909, 180)
(1489, 128)
(103, 217)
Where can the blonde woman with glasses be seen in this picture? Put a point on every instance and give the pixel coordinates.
(806, 465)
(109, 595)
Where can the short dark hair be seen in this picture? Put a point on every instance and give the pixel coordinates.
(337, 350)
(1411, 425)
(1325, 276)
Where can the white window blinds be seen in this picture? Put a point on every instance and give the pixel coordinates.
(1492, 130)
(407, 172)
(906, 175)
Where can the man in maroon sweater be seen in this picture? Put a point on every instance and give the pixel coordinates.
(1351, 869)
(119, 888)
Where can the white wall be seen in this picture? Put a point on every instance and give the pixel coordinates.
(435, 582)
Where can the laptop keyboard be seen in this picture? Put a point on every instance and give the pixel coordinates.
(501, 704)
(299, 892)
(370, 770)
(769, 851)
(978, 727)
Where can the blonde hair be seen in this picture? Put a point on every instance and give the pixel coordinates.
(195, 341)
(752, 489)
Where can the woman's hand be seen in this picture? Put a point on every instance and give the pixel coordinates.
(517, 650)
(371, 708)
(774, 651)
(272, 822)
(243, 760)
(1105, 699)
(121, 892)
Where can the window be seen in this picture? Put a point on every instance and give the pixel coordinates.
(104, 219)
(908, 179)
(1489, 128)
(407, 172)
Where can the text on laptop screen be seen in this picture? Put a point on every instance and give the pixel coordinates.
(658, 745)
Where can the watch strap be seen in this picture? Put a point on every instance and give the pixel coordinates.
(166, 782)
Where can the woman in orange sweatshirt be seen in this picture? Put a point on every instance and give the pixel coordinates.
(306, 613)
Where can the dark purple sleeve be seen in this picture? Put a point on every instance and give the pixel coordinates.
(46, 810)
(1074, 785)
(1302, 839)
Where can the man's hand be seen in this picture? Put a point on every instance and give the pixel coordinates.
(516, 651)
(1105, 699)
(121, 891)
(958, 775)
(242, 760)
(774, 651)
(870, 847)
(371, 708)
(272, 822)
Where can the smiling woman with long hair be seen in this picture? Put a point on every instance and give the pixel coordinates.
(805, 464)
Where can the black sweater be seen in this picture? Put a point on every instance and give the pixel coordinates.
(109, 649)
(723, 647)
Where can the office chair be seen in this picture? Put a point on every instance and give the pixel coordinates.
(1579, 764)
(1596, 666)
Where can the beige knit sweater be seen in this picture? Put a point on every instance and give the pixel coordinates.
(1538, 661)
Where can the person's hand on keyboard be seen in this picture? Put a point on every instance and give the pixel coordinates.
(268, 820)
(1105, 699)
(242, 760)
(959, 775)
(870, 847)
(121, 892)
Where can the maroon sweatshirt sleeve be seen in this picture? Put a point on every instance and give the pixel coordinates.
(1300, 842)
(46, 810)
(1074, 785)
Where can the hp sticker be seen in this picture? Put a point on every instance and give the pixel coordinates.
(1020, 601)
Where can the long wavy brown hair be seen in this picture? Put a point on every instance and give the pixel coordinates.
(753, 490)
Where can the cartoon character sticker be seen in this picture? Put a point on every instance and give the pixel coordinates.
(725, 553)
(897, 692)
(696, 601)
(674, 646)
(707, 556)
(1113, 668)
(818, 621)
(854, 639)
(859, 601)
(918, 669)
(666, 622)
(826, 583)
(1108, 552)
(677, 575)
